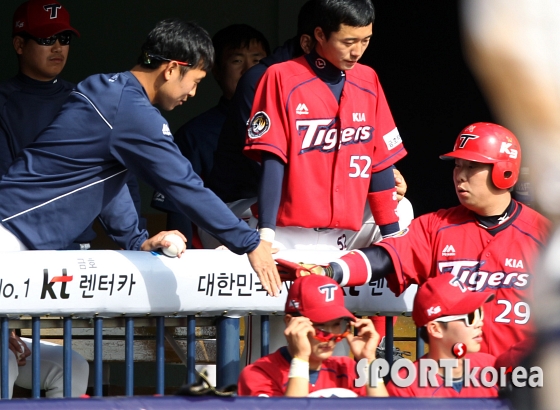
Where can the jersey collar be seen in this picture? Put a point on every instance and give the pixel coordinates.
(325, 70)
(497, 223)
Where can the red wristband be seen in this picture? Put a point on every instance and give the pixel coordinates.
(383, 206)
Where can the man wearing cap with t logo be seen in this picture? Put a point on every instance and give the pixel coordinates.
(316, 320)
(28, 103)
(450, 318)
(41, 36)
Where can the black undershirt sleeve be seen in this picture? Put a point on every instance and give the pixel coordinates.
(270, 191)
(379, 260)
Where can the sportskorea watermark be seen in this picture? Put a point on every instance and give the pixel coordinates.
(425, 375)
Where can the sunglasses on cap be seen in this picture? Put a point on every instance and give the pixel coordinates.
(470, 318)
(63, 38)
(323, 335)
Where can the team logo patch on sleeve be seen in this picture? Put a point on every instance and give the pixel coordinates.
(259, 125)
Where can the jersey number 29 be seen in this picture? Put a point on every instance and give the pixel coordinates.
(520, 309)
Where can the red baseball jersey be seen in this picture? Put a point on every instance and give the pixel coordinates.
(330, 148)
(268, 376)
(479, 360)
(452, 241)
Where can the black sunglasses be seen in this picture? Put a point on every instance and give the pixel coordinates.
(149, 57)
(63, 38)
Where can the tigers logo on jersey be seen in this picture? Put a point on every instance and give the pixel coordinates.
(322, 134)
(259, 125)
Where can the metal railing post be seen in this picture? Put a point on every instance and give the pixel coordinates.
(419, 345)
(5, 334)
(191, 349)
(389, 340)
(129, 356)
(227, 351)
(265, 335)
(160, 355)
(98, 356)
(67, 356)
(35, 357)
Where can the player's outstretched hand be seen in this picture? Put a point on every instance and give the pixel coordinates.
(297, 332)
(157, 241)
(400, 184)
(365, 343)
(265, 267)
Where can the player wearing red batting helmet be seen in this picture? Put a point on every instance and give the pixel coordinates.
(490, 144)
(489, 242)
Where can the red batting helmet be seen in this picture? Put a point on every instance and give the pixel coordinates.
(490, 144)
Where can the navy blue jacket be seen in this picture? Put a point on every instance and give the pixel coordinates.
(77, 168)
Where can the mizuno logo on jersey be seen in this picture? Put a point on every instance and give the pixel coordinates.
(474, 279)
(165, 130)
(449, 250)
(158, 197)
(302, 109)
(323, 135)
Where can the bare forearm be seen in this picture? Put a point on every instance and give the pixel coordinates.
(297, 387)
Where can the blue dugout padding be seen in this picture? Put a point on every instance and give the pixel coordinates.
(249, 403)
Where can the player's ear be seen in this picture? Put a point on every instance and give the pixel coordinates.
(435, 330)
(319, 35)
(287, 319)
(170, 68)
(306, 43)
(18, 43)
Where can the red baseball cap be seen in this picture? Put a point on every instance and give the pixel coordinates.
(42, 18)
(318, 298)
(445, 295)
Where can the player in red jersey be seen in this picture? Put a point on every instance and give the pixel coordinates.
(316, 320)
(323, 131)
(324, 134)
(490, 242)
(449, 316)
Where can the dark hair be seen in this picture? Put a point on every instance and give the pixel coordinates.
(175, 39)
(237, 36)
(423, 332)
(307, 19)
(332, 13)
(306, 23)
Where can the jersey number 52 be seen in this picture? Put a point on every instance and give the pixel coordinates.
(360, 165)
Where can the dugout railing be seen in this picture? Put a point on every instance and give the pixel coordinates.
(109, 288)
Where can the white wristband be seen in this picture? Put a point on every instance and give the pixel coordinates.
(299, 368)
(267, 234)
